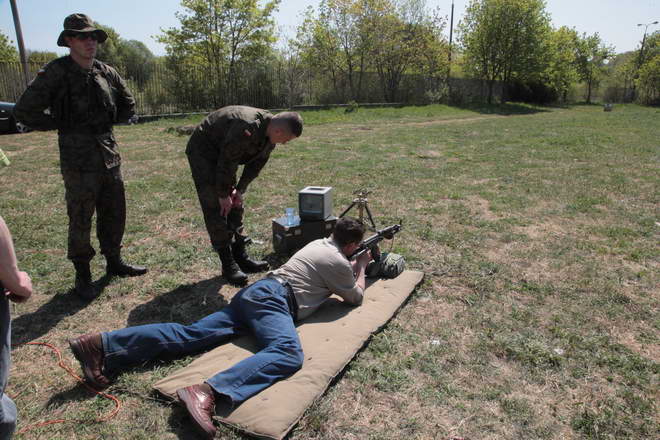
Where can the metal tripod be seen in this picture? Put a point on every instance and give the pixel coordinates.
(361, 202)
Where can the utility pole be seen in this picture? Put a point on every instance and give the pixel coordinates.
(451, 30)
(640, 58)
(19, 40)
(451, 33)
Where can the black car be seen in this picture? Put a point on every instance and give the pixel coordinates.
(7, 122)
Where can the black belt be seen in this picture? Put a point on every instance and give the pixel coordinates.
(290, 297)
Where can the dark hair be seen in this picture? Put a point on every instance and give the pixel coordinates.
(348, 230)
(294, 121)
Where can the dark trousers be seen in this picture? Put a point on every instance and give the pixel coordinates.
(86, 191)
(221, 229)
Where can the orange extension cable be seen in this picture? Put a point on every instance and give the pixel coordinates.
(79, 379)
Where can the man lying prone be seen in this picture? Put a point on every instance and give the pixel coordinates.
(266, 309)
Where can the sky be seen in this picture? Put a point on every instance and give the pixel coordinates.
(41, 20)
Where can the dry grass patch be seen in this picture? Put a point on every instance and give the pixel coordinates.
(482, 207)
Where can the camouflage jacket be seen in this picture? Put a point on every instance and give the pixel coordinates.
(229, 137)
(82, 105)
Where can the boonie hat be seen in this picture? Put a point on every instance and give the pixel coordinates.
(77, 23)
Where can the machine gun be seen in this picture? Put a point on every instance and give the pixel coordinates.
(371, 243)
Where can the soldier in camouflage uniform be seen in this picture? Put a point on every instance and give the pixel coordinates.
(227, 138)
(82, 98)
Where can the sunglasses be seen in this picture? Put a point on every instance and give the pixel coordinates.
(82, 36)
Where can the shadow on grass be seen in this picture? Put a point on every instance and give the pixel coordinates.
(32, 326)
(182, 427)
(187, 303)
(506, 109)
(77, 393)
(179, 419)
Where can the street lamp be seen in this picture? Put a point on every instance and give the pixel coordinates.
(641, 49)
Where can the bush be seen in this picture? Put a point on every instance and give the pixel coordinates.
(351, 107)
(533, 92)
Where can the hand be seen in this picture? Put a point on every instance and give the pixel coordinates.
(364, 259)
(236, 199)
(225, 205)
(15, 298)
(360, 263)
(25, 289)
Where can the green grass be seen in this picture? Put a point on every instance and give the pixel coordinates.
(537, 229)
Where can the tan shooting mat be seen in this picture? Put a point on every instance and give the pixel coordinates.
(330, 338)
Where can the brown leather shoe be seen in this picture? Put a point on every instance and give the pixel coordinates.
(88, 349)
(200, 403)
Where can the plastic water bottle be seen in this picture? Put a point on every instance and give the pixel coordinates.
(290, 216)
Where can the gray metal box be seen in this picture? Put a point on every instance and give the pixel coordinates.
(315, 203)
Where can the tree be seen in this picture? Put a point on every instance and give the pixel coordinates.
(109, 51)
(7, 50)
(648, 81)
(561, 70)
(131, 56)
(504, 39)
(350, 39)
(591, 54)
(291, 62)
(337, 43)
(137, 60)
(220, 34)
(434, 51)
(619, 76)
(410, 40)
(40, 57)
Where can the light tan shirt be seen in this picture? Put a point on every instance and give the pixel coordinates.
(317, 271)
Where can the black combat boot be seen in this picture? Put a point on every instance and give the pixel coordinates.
(230, 269)
(244, 261)
(117, 266)
(84, 287)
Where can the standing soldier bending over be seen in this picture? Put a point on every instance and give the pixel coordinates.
(227, 138)
(82, 98)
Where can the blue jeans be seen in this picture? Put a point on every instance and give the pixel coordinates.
(7, 407)
(260, 309)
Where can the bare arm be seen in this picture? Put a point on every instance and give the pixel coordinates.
(16, 282)
(359, 267)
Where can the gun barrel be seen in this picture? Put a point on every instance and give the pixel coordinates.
(372, 241)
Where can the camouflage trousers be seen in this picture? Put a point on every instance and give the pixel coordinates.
(221, 229)
(86, 191)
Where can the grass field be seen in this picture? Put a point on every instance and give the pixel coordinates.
(537, 229)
